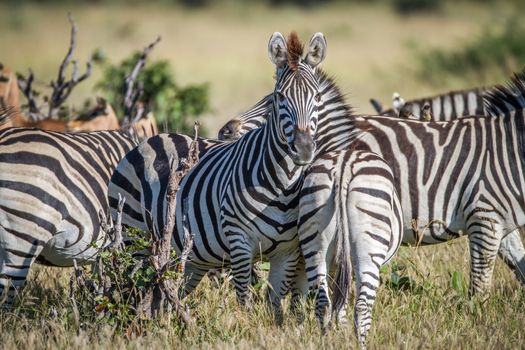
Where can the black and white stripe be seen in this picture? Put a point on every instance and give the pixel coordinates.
(348, 201)
(443, 107)
(240, 196)
(52, 187)
(412, 148)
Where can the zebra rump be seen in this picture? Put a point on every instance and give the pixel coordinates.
(52, 188)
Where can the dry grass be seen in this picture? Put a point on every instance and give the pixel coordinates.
(431, 314)
(369, 54)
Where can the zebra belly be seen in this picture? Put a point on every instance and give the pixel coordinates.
(431, 231)
(70, 244)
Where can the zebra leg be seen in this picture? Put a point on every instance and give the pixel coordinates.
(299, 290)
(367, 282)
(369, 245)
(193, 275)
(241, 265)
(316, 231)
(282, 273)
(16, 257)
(513, 254)
(484, 242)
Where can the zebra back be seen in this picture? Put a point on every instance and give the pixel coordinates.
(142, 176)
(448, 106)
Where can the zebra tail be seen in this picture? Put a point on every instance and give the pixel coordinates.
(343, 271)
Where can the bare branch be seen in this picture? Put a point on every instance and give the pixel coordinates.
(26, 86)
(118, 243)
(62, 88)
(72, 43)
(134, 92)
(167, 291)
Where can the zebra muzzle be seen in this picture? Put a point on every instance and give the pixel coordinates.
(302, 147)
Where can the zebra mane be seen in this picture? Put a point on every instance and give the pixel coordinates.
(332, 93)
(295, 50)
(336, 115)
(502, 99)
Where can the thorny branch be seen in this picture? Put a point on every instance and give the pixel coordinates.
(161, 248)
(62, 88)
(26, 86)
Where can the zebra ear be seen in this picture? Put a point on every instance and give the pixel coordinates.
(277, 50)
(316, 50)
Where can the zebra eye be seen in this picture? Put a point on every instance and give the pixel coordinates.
(317, 97)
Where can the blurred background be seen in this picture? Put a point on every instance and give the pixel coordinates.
(212, 62)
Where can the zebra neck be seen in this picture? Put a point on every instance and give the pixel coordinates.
(276, 166)
(335, 128)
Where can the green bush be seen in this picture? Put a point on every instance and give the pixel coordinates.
(502, 50)
(112, 291)
(175, 107)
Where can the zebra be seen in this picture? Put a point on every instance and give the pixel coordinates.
(240, 196)
(357, 210)
(394, 139)
(376, 232)
(52, 187)
(448, 106)
(142, 176)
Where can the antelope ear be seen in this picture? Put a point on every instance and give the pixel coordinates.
(101, 102)
(316, 50)
(277, 50)
(378, 106)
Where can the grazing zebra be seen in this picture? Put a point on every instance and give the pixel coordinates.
(352, 192)
(424, 155)
(447, 106)
(52, 187)
(240, 196)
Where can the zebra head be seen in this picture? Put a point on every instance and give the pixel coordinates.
(296, 96)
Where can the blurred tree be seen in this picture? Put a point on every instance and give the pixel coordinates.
(412, 6)
(173, 106)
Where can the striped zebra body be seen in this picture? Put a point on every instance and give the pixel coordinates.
(240, 196)
(320, 196)
(358, 211)
(339, 128)
(142, 178)
(447, 106)
(52, 188)
(484, 157)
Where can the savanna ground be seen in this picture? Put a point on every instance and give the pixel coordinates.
(372, 51)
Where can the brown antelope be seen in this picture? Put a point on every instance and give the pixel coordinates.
(102, 117)
(146, 126)
(9, 97)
